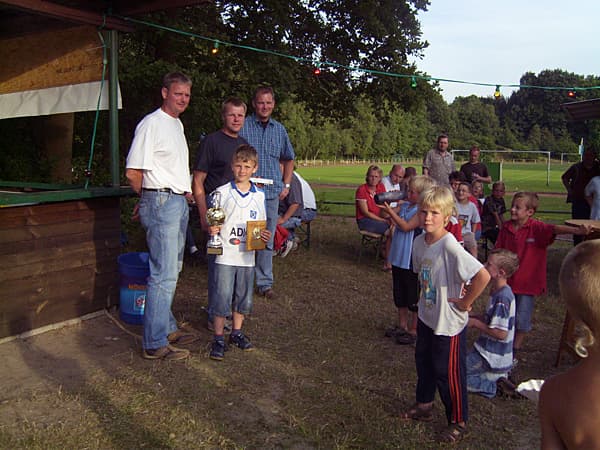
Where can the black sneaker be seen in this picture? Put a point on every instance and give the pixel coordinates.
(241, 341)
(218, 349)
(394, 331)
(406, 339)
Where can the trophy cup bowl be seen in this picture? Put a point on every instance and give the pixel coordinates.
(215, 216)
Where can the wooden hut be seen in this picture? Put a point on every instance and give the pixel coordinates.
(59, 242)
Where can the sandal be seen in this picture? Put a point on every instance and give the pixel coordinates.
(416, 412)
(181, 337)
(453, 433)
(167, 353)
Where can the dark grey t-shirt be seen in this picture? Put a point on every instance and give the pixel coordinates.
(294, 196)
(214, 157)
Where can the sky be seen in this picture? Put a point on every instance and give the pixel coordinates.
(496, 42)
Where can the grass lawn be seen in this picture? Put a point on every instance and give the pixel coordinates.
(518, 177)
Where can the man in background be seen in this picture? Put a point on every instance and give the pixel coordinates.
(213, 169)
(475, 170)
(575, 179)
(438, 162)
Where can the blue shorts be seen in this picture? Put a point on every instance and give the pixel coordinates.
(233, 290)
(524, 312)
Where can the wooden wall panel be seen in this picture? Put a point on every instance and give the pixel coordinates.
(57, 262)
(49, 59)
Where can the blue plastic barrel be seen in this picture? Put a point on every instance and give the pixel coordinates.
(134, 270)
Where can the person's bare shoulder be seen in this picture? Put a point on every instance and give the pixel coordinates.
(570, 408)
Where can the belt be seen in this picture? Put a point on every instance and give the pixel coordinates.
(161, 190)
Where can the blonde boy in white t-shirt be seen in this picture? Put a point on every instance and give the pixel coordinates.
(440, 354)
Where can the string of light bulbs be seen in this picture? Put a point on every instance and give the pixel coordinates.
(571, 90)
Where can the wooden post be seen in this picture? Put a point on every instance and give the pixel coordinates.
(57, 145)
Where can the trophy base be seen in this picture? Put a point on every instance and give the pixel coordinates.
(214, 250)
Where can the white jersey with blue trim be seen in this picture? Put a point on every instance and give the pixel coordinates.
(239, 209)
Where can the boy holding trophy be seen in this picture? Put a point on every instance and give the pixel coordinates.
(242, 230)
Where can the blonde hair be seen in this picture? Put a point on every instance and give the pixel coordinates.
(420, 183)
(373, 168)
(505, 260)
(245, 153)
(580, 288)
(532, 200)
(438, 197)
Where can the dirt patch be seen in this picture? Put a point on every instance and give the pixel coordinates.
(322, 376)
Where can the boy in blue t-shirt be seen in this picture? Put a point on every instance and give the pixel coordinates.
(405, 281)
(492, 356)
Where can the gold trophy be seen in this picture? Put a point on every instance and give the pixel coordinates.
(215, 216)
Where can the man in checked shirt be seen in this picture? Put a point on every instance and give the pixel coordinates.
(271, 140)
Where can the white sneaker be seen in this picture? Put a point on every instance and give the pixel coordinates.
(288, 248)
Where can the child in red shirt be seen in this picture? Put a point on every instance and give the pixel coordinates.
(529, 238)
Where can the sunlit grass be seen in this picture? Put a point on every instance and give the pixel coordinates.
(517, 176)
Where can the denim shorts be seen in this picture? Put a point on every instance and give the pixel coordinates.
(524, 312)
(233, 290)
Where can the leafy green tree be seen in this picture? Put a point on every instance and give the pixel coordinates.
(534, 139)
(362, 125)
(532, 106)
(477, 123)
(294, 115)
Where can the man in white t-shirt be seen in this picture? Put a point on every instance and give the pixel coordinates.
(158, 171)
(592, 195)
(309, 201)
(393, 181)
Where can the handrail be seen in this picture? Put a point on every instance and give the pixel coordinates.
(539, 211)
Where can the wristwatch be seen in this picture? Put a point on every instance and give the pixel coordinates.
(287, 185)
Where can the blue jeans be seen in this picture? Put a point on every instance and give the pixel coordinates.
(212, 284)
(480, 378)
(164, 216)
(264, 258)
(372, 225)
(210, 262)
(233, 290)
(291, 225)
(308, 215)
